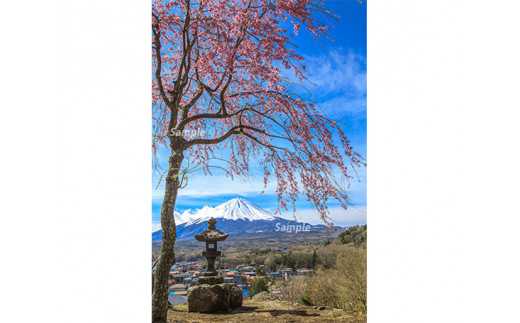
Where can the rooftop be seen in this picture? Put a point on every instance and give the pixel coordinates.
(178, 286)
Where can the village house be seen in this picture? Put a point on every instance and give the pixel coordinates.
(276, 276)
(193, 272)
(236, 280)
(250, 273)
(233, 276)
(228, 280)
(246, 269)
(287, 273)
(194, 281)
(177, 279)
(304, 271)
(178, 288)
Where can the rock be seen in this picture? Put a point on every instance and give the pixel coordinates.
(236, 295)
(321, 308)
(208, 298)
(212, 298)
(263, 296)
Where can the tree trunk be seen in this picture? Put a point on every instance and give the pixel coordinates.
(169, 234)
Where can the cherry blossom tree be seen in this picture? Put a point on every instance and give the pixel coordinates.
(227, 78)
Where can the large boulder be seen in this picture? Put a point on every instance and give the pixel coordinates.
(263, 296)
(213, 298)
(236, 296)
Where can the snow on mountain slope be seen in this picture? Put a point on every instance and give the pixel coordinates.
(235, 209)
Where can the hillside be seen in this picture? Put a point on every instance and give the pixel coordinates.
(266, 311)
(254, 244)
(356, 234)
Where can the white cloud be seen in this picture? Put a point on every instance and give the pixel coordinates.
(352, 216)
(217, 185)
(339, 82)
(156, 227)
(201, 186)
(338, 72)
(157, 195)
(342, 106)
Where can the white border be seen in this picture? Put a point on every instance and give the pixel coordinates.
(443, 161)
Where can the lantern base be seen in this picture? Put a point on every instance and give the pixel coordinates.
(210, 280)
(213, 298)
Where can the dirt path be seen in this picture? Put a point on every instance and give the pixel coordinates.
(265, 311)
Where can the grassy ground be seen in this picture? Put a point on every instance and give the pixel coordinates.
(265, 311)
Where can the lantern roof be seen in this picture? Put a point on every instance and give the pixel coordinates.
(211, 234)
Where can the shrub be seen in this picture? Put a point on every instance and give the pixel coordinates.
(327, 255)
(353, 280)
(293, 289)
(260, 271)
(322, 288)
(343, 285)
(258, 285)
(305, 300)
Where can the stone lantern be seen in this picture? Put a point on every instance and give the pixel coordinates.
(211, 294)
(211, 236)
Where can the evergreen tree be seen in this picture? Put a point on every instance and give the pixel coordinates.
(327, 242)
(314, 259)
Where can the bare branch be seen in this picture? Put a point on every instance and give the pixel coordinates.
(157, 43)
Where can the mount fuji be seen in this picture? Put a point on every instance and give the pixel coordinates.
(236, 217)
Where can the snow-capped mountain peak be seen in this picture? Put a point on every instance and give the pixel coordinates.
(235, 209)
(241, 209)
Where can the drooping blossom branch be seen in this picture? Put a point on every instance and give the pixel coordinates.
(229, 69)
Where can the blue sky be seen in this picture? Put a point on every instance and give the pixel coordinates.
(338, 69)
